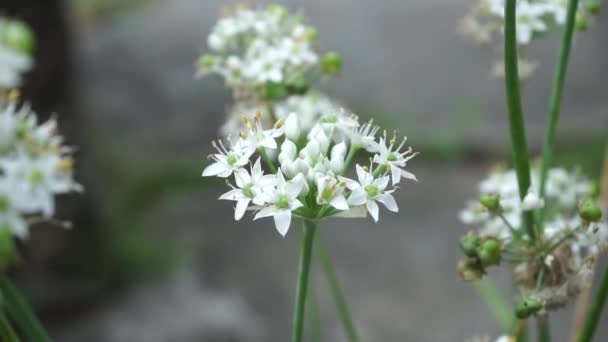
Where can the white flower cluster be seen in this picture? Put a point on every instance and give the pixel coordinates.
(534, 18)
(263, 53)
(34, 167)
(308, 178)
(15, 47)
(564, 191)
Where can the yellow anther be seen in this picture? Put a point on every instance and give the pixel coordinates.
(66, 164)
(248, 125)
(342, 183)
(243, 135)
(13, 95)
(278, 124)
(365, 168)
(257, 116)
(245, 119)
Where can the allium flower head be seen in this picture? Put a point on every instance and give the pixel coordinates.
(265, 53)
(307, 178)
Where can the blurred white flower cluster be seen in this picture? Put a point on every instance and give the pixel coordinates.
(16, 43)
(535, 18)
(307, 178)
(265, 53)
(573, 232)
(34, 167)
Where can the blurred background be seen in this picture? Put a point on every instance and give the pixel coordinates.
(153, 255)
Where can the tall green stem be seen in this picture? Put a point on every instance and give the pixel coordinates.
(337, 293)
(302, 286)
(556, 96)
(544, 331)
(516, 120)
(7, 334)
(595, 312)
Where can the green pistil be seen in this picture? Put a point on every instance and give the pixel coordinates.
(330, 119)
(248, 191)
(372, 190)
(391, 157)
(327, 193)
(232, 159)
(282, 202)
(36, 176)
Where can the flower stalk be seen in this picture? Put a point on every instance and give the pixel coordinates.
(595, 312)
(556, 96)
(307, 243)
(6, 330)
(516, 121)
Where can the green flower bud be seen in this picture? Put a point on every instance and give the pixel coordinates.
(527, 306)
(18, 36)
(490, 202)
(589, 211)
(311, 33)
(206, 61)
(469, 243)
(595, 190)
(580, 24)
(274, 91)
(489, 252)
(297, 83)
(277, 10)
(8, 252)
(331, 63)
(469, 269)
(593, 7)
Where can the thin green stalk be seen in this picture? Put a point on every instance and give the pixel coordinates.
(556, 96)
(516, 120)
(314, 320)
(337, 293)
(7, 334)
(267, 160)
(302, 285)
(544, 331)
(593, 317)
(502, 310)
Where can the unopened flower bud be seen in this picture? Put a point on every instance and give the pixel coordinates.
(589, 211)
(594, 189)
(292, 127)
(288, 152)
(274, 91)
(469, 269)
(331, 63)
(206, 61)
(338, 152)
(527, 306)
(489, 252)
(490, 202)
(18, 36)
(580, 24)
(593, 7)
(469, 243)
(297, 83)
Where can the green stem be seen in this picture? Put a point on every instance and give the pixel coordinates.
(314, 315)
(337, 293)
(303, 272)
(7, 334)
(516, 120)
(595, 312)
(502, 310)
(556, 96)
(544, 332)
(514, 232)
(349, 158)
(267, 160)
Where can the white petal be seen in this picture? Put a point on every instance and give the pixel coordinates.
(241, 206)
(372, 207)
(339, 202)
(265, 212)
(214, 169)
(230, 195)
(389, 202)
(282, 220)
(358, 197)
(396, 174)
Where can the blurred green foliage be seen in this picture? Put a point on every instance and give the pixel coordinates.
(96, 10)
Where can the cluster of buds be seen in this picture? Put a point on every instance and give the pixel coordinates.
(535, 18)
(266, 54)
(34, 167)
(16, 44)
(555, 266)
(307, 177)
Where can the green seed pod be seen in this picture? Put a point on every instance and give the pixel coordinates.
(527, 306)
(206, 61)
(331, 63)
(297, 84)
(469, 269)
(589, 211)
(18, 36)
(469, 243)
(580, 24)
(593, 7)
(490, 202)
(274, 91)
(489, 252)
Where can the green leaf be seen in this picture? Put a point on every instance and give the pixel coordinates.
(502, 310)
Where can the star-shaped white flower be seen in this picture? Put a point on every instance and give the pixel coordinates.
(331, 191)
(369, 190)
(395, 160)
(257, 137)
(249, 188)
(281, 201)
(228, 161)
(365, 136)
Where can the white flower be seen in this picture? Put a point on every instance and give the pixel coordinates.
(365, 136)
(228, 161)
(282, 200)
(338, 125)
(336, 160)
(531, 202)
(394, 159)
(258, 137)
(12, 65)
(369, 190)
(291, 127)
(10, 217)
(331, 191)
(249, 188)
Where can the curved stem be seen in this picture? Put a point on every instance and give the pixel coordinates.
(594, 314)
(556, 96)
(337, 293)
(516, 120)
(303, 272)
(7, 334)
